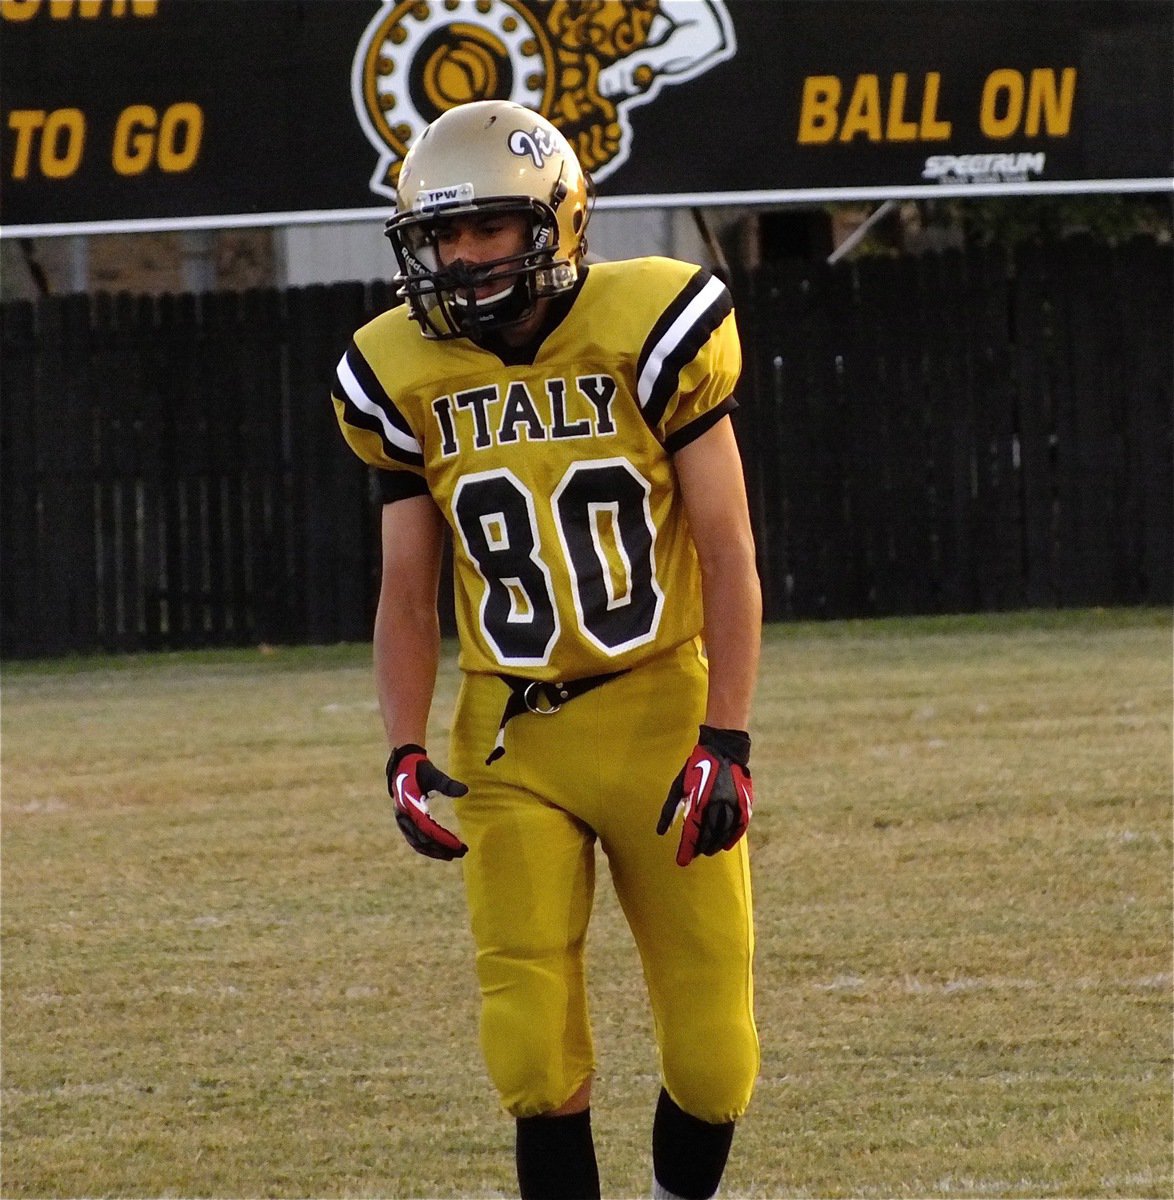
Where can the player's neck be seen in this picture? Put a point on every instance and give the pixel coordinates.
(523, 332)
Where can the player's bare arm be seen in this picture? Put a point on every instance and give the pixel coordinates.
(709, 472)
(407, 652)
(407, 629)
(713, 790)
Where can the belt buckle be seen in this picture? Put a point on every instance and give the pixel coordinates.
(532, 702)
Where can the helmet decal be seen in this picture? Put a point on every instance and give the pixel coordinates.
(460, 193)
(581, 64)
(536, 144)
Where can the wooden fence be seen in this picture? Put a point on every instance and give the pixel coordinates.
(962, 432)
(947, 433)
(173, 476)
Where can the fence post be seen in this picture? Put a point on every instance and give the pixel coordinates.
(19, 487)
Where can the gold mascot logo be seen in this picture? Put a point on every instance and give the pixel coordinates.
(582, 64)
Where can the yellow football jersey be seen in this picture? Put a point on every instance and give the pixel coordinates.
(572, 555)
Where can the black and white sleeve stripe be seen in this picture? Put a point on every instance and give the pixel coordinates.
(676, 339)
(367, 406)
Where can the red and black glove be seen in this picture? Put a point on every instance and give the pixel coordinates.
(715, 790)
(411, 779)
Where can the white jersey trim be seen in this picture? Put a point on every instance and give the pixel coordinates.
(673, 337)
(359, 398)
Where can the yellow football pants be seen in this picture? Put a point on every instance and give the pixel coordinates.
(601, 768)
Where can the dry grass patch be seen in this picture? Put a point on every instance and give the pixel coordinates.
(224, 975)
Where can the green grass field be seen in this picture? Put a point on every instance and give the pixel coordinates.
(225, 975)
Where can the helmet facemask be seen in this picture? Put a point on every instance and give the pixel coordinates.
(443, 298)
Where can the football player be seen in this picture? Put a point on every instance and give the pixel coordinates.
(570, 424)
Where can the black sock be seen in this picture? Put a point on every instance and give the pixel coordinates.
(556, 1158)
(688, 1155)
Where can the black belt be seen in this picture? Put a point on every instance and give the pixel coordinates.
(544, 699)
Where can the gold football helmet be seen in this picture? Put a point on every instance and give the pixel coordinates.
(489, 157)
